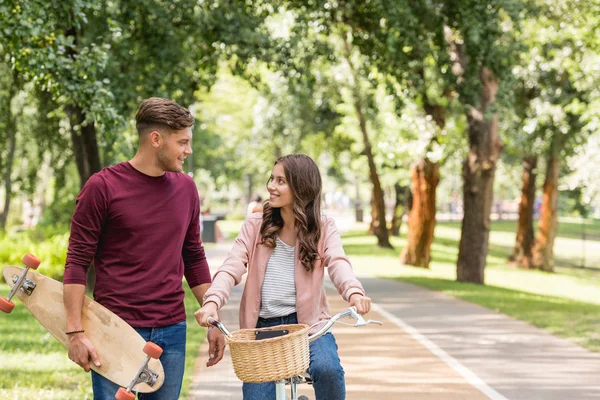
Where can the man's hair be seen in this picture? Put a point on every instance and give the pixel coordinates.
(156, 113)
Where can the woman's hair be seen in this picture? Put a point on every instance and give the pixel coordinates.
(304, 179)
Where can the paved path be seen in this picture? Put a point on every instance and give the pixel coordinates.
(432, 347)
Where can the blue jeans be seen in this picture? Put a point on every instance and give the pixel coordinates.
(171, 339)
(324, 368)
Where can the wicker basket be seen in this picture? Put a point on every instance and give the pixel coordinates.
(270, 359)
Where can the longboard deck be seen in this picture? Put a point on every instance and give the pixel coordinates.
(119, 346)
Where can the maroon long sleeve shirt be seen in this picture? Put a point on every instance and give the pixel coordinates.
(143, 234)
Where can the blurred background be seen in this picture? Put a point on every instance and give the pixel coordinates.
(459, 140)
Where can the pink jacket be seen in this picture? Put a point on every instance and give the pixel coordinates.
(247, 255)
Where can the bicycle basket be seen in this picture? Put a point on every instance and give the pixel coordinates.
(270, 359)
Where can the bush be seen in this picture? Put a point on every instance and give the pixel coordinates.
(51, 250)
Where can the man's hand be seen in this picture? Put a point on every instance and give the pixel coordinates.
(216, 346)
(208, 310)
(81, 350)
(362, 303)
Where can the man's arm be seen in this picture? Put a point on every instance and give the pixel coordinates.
(196, 269)
(199, 291)
(216, 341)
(86, 227)
(80, 348)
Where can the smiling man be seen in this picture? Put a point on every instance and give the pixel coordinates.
(138, 222)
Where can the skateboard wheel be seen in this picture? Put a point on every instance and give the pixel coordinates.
(153, 350)
(31, 261)
(123, 394)
(6, 306)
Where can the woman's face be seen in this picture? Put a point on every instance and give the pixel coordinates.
(279, 189)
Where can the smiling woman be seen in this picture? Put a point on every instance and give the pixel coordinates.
(285, 251)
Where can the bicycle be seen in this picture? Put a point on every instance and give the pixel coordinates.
(293, 381)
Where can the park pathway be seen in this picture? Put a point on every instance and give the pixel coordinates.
(431, 346)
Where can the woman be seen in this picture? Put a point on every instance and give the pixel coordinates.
(285, 251)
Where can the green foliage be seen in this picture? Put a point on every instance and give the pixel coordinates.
(51, 249)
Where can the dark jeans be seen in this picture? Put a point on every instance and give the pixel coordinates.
(324, 368)
(171, 339)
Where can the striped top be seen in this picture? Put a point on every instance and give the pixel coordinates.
(279, 287)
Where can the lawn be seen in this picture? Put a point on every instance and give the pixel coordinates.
(33, 365)
(566, 303)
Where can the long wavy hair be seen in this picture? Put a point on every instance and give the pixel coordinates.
(304, 179)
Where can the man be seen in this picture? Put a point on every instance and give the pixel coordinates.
(138, 221)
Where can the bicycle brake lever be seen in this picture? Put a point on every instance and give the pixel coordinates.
(220, 326)
(362, 322)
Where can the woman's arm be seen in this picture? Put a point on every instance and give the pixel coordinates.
(233, 268)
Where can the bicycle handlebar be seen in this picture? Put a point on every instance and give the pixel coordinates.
(349, 312)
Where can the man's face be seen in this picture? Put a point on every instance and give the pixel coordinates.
(174, 150)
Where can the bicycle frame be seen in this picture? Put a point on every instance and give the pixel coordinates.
(280, 393)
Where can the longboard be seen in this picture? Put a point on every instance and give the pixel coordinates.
(119, 346)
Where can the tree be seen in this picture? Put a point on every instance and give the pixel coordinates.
(483, 49)
(326, 26)
(404, 41)
(558, 69)
(10, 140)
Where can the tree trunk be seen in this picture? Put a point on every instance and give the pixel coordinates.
(421, 220)
(522, 252)
(543, 257)
(400, 208)
(379, 224)
(374, 215)
(85, 145)
(83, 133)
(12, 141)
(87, 159)
(421, 223)
(11, 138)
(478, 175)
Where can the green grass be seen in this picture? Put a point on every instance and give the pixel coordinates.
(576, 321)
(195, 337)
(566, 303)
(33, 365)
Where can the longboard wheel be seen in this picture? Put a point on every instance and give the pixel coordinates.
(7, 306)
(31, 261)
(123, 394)
(153, 350)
